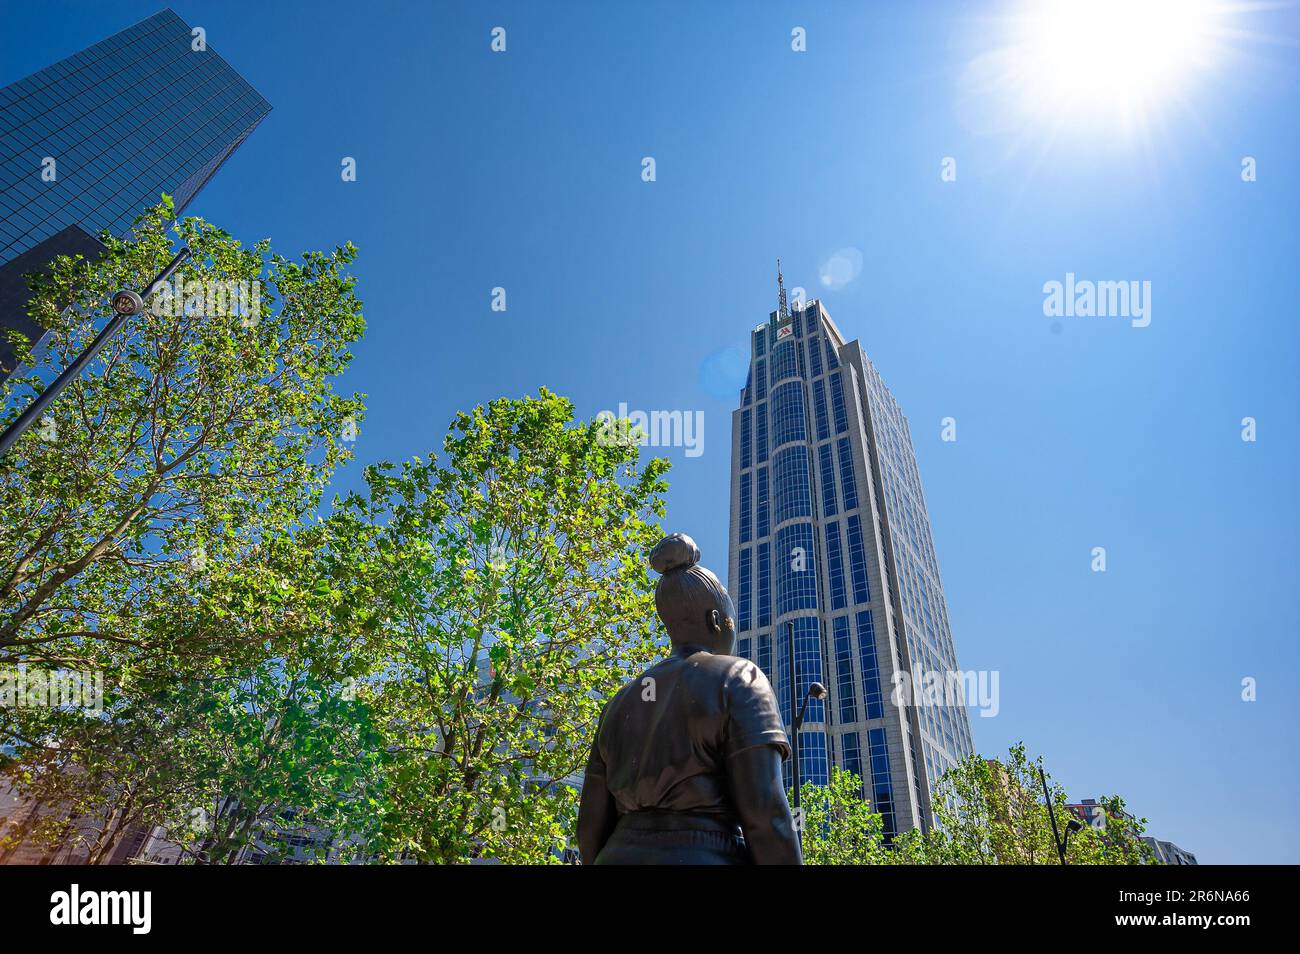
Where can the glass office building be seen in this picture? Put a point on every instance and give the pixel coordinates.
(96, 138)
(829, 532)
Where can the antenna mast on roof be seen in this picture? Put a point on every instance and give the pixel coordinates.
(783, 306)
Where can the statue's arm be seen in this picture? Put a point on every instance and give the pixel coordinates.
(597, 813)
(759, 794)
(756, 744)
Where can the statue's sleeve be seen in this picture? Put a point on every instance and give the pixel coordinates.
(752, 714)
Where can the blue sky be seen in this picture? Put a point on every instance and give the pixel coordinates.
(523, 170)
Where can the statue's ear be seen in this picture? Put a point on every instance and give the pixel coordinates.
(714, 620)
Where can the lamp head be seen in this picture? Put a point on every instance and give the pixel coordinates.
(127, 302)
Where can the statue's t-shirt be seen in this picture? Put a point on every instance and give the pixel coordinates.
(665, 737)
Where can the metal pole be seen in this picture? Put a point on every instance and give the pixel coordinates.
(1056, 833)
(46, 397)
(794, 732)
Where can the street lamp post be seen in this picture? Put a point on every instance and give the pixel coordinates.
(1073, 826)
(125, 304)
(815, 691)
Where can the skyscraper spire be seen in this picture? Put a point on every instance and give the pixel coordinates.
(783, 306)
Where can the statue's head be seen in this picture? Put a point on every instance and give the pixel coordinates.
(691, 601)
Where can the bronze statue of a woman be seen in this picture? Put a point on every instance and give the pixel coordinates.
(686, 766)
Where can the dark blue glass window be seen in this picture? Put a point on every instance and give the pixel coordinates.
(852, 753)
(832, 360)
(815, 352)
(746, 508)
(872, 699)
(835, 566)
(858, 560)
(745, 621)
(784, 362)
(760, 431)
(764, 511)
(847, 484)
(882, 790)
(826, 467)
(819, 404)
(746, 440)
(837, 402)
(808, 665)
(796, 576)
(787, 414)
(847, 691)
(790, 478)
(760, 374)
(764, 585)
(813, 765)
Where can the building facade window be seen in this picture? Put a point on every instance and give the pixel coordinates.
(745, 621)
(858, 560)
(787, 411)
(790, 478)
(746, 440)
(872, 698)
(844, 682)
(826, 467)
(784, 362)
(813, 763)
(807, 663)
(746, 507)
(882, 789)
(852, 745)
(819, 407)
(837, 402)
(848, 484)
(796, 576)
(835, 567)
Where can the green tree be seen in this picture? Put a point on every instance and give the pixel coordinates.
(986, 812)
(993, 812)
(155, 528)
(839, 825)
(505, 594)
(227, 752)
(202, 428)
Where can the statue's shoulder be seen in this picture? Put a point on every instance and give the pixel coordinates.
(735, 670)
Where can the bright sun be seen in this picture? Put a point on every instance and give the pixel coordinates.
(1111, 60)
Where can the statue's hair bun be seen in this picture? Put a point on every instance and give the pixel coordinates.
(676, 551)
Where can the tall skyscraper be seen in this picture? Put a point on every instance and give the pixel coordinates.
(829, 531)
(97, 137)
